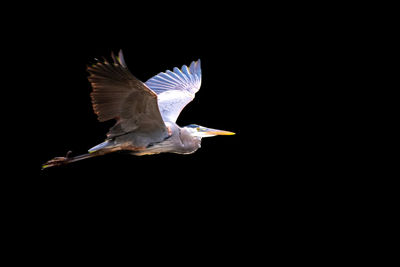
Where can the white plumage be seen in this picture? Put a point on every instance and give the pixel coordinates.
(176, 89)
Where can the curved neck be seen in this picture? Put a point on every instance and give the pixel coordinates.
(190, 143)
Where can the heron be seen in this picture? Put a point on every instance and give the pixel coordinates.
(145, 114)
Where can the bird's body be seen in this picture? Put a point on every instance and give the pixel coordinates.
(145, 113)
(179, 140)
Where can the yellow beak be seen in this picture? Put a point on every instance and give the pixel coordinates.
(212, 132)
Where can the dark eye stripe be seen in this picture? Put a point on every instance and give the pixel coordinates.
(193, 126)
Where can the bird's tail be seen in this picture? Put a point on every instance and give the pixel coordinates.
(59, 161)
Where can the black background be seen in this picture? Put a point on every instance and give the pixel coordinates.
(245, 89)
(248, 87)
(262, 78)
(239, 93)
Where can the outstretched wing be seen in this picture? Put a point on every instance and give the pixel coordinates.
(176, 89)
(117, 94)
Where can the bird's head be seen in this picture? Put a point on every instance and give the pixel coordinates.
(200, 131)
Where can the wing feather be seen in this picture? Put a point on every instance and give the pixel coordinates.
(175, 89)
(117, 94)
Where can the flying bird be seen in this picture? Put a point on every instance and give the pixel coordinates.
(145, 113)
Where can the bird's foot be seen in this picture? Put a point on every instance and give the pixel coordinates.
(58, 161)
(68, 154)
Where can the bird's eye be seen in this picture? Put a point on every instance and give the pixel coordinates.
(198, 129)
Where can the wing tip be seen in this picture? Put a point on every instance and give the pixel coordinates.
(195, 67)
(121, 58)
(116, 59)
(184, 78)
